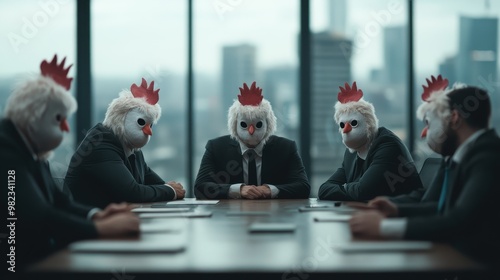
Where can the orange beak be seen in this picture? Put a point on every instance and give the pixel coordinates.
(64, 125)
(424, 132)
(251, 129)
(347, 128)
(147, 130)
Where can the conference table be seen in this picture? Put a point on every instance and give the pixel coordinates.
(222, 247)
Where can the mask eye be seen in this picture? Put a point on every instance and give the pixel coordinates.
(151, 125)
(354, 123)
(258, 125)
(342, 124)
(243, 124)
(58, 117)
(141, 122)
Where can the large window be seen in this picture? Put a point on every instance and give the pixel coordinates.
(32, 31)
(244, 41)
(362, 41)
(238, 42)
(135, 39)
(458, 39)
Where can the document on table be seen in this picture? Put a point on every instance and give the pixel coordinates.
(159, 227)
(383, 246)
(160, 210)
(201, 214)
(247, 213)
(119, 246)
(193, 202)
(336, 218)
(346, 210)
(272, 227)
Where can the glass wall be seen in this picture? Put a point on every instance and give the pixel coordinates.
(362, 41)
(238, 42)
(32, 31)
(135, 39)
(458, 39)
(245, 41)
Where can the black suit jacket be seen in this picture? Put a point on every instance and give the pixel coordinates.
(222, 166)
(421, 201)
(471, 217)
(47, 219)
(387, 170)
(99, 173)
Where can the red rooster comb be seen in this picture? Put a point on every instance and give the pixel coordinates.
(250, 96)
(146, 92)
(349, 94)
(433, 86)
(56, 72)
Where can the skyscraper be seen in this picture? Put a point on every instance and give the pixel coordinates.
(337, 16)
(478, 49)
(395, 53)
(448, 69)
(477, 57)
(238, 67)
(331, 67)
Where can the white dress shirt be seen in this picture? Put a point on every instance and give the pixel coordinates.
(234, 189)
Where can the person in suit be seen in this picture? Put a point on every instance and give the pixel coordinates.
(109, 167)
(251, 163)
(465, 215)
(44, 218)
(376, 162)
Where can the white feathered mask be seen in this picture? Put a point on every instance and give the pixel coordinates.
(132, 115)
(251, 119)
(356, 118)
(40, 107)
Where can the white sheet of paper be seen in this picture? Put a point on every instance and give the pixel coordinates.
(247, 213)
(160, 210)
(272, 227)
(339, 218)
(117, 246)
(193, 202)
(383, 246)
(158, 227)
(343, 210)
(201, 214)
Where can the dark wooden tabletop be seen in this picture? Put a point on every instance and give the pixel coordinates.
(222, 244)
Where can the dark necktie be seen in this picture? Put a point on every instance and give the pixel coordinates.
(444, 188)
(252, 168)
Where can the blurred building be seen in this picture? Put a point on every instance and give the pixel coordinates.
(330, 67)
(395, 54)
(478, 45)
(238, 67)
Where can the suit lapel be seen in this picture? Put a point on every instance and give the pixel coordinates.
(234, 153)
(352, 166)
(46, 182)
(267, 160)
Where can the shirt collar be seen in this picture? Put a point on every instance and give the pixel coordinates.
(258, 150)
(464, 148)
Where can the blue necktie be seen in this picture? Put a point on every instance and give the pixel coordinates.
(444, 188)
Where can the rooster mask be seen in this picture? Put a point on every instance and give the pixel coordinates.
(132, 115)
(356, 118)
(40, 106)
(251, 119)
(436, 113)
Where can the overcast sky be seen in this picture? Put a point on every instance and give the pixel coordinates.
(133, 37)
